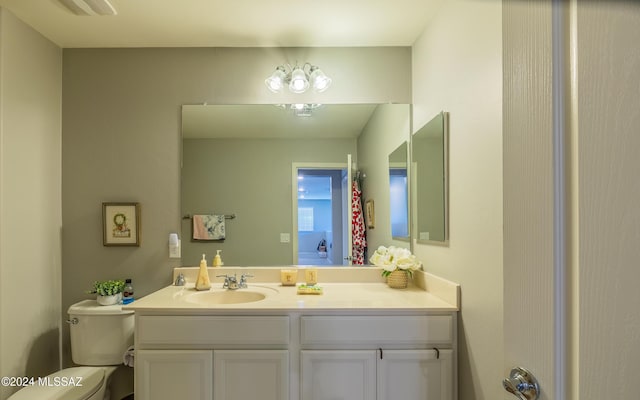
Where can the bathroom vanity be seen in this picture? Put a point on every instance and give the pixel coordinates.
(357, 340)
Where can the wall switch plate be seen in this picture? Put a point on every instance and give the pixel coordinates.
(424, 235)
(285, 238)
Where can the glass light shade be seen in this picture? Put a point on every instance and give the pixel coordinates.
(276, 81)
(299, 82)
(321, 82)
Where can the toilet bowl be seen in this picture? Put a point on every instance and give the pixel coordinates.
(100, 335)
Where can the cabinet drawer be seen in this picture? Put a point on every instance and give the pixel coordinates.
(197, 331)
(376, 330)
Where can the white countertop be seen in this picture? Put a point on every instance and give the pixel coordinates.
(355, 296)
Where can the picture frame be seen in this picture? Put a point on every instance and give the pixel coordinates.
(370, 214)
(120, 224)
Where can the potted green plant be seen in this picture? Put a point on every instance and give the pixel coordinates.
(108, 292)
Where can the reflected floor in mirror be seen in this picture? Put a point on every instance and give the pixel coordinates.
(312, 258)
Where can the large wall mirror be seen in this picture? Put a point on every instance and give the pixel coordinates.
(429, 157)
(238, 163)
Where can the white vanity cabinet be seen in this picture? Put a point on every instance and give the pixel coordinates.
(377, 357)
(174, 374)
(415, 375)
(338, 374)
(377, 374)
(355, 342)
(218, 374)
(296, 355)
(251, 374)
(212, 357)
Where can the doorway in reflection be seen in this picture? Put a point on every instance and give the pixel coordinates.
(322, 216)
(399, 201)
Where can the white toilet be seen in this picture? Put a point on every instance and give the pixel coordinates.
(100, 335)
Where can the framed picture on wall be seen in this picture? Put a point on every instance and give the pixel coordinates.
(121, 224)
(370, 214)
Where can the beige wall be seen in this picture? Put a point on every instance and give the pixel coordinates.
(387, 129)
(251, 178)
(457, 64)
(121, 137)
(30, 201)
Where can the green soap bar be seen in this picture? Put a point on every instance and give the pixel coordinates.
(304, 289)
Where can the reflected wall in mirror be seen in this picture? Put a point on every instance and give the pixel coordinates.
(429, 157)
(238, 159)
(399, 193)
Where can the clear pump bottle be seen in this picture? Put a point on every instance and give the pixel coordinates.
(127, 293)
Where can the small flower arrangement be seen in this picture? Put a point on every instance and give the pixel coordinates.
(394, 258)
(107, 288)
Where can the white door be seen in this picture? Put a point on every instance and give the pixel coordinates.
(528, 192)
(174, 374)
(570, 267)
(251, 374)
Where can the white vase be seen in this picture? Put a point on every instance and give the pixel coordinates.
(109, 300)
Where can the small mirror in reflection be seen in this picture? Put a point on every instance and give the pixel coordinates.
(429, 154)
(399, 193)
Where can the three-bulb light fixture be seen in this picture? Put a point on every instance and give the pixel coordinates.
(298, 79)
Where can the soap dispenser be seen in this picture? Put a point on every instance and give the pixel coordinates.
(217, 260)
(203, 282)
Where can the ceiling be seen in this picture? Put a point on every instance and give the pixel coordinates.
(232, 23)
(268, 121)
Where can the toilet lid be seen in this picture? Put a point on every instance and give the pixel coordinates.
(76, 383)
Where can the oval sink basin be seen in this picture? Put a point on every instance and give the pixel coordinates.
(226, 297)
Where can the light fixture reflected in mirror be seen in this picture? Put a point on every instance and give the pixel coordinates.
(298, 79)
(300, 109)
(89, 7)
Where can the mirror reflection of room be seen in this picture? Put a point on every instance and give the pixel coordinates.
(238, 160)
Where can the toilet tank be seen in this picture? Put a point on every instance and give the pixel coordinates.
(99, 334)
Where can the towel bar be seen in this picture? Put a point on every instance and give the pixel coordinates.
(226, 216)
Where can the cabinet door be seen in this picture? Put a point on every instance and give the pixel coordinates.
(251, 374)
(174, 374)
(415, 375)
(338, 375)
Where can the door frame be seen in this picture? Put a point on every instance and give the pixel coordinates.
(539, 196)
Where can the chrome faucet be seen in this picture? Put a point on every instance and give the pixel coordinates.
(231, 282)
(243, 280)
(180, 281)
